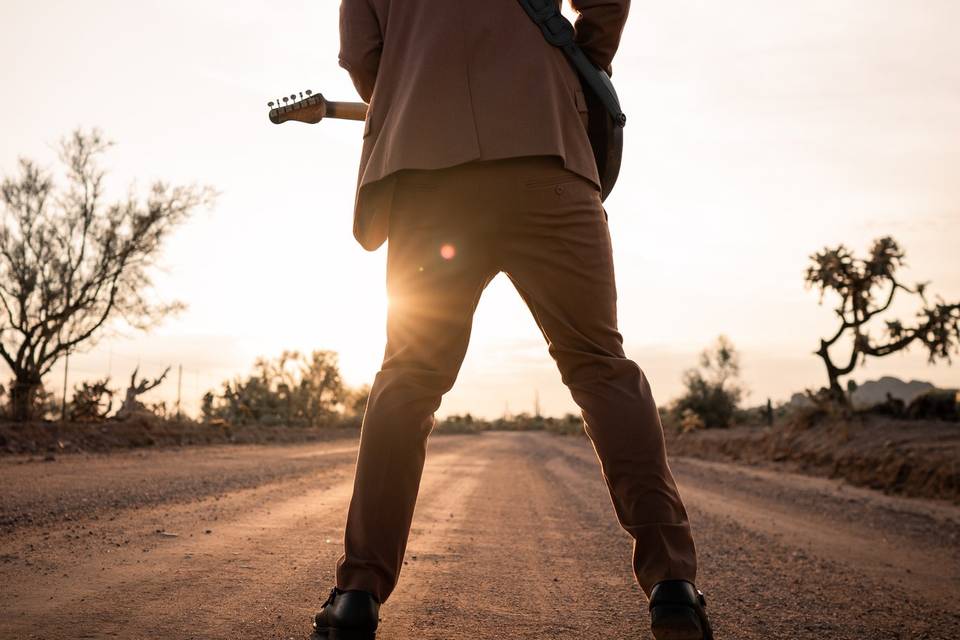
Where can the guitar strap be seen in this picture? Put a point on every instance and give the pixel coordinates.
(559, 32)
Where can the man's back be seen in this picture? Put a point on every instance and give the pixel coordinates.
(451, 81)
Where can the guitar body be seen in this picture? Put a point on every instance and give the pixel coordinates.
(606, 139)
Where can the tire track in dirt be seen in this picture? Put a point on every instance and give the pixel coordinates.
(524, 561)
(416, 606)
(756, 499)
(931, 572)
(171, 587)
(76, 487)
(123, 579)
(261, 573)
(767, 578)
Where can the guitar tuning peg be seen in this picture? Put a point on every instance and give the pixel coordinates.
(270, 104)
(293, 97)
(301, 95)
(309, 92)
(285, 100)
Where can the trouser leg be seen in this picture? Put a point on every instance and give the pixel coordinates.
(557, 250)
(433, 291)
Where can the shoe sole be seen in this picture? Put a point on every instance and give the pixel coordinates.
(675, 623)
(331, 633)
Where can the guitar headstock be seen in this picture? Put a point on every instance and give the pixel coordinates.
(306, 107)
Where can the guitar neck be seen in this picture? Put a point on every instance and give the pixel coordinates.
(347, 110)
(312, 108)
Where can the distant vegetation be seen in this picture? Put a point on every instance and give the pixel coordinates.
(569, 424)
(70, 262)
(713, 390)
(292, 390)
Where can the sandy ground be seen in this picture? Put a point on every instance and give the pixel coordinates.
(514, 537)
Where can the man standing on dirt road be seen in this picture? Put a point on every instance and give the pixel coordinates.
(476, 160)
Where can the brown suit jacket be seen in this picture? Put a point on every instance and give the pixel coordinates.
(450, 81)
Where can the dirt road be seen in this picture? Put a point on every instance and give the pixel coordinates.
(514, 537)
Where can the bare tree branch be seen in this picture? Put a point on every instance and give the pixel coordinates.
(70, 265)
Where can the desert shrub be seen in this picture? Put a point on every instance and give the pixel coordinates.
(519, 422)
(668, 419)
(936, 404)
(91, 401)
(891, 407)
(461, 424)
(809, 415)
(766, 414)
(159, 409)
(355, 401)
(293, 390)
(690, 420)
(712, 390)
(570, 424)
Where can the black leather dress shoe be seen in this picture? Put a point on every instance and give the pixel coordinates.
(348, 615)
(678, 612)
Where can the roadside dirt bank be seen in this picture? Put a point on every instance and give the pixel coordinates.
(912, 458)
(51, 438)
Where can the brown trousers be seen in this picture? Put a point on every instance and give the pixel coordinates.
(451, 231)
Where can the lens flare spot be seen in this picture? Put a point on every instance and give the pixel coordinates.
(448, 251)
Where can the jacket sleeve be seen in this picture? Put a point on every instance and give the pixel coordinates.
(361, 43)
(599, 25)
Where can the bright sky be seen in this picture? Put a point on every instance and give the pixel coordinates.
(758, 133)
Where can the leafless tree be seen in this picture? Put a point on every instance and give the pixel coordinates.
(136, 389)
(866, 288)
(71, 263)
